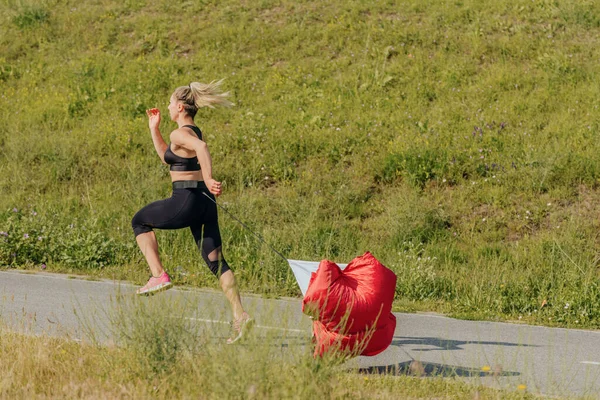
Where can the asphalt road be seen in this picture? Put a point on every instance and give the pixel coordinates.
(549, 361)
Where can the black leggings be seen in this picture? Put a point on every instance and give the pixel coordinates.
(187, 208)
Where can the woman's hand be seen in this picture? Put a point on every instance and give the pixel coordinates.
(153, 118)
(213, 186)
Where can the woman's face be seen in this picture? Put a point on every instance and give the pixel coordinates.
(173, 108)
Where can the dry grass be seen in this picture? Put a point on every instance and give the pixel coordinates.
(157, 354)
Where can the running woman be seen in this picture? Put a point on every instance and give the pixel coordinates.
(191, 174)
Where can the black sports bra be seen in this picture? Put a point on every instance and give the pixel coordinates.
(183, 163)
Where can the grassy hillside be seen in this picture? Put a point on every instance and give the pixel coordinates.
(456, 141)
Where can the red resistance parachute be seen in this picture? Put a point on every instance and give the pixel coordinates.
(351, 307)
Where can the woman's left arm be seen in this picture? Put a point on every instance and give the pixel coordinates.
(181, 138)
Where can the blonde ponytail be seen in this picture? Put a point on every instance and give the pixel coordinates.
(209, 94)
(198, 95)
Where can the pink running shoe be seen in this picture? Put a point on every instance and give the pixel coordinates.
(240, 328)
(155, 285)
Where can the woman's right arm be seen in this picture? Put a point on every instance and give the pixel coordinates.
(153, 122)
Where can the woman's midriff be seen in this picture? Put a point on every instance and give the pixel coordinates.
(186, 176)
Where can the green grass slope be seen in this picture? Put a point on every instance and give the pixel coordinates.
(455, 140)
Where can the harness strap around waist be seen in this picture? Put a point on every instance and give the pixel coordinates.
(188, 184)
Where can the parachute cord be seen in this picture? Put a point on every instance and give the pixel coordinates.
(245, 226)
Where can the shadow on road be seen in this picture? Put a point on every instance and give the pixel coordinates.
(416, 368)
(446, 344)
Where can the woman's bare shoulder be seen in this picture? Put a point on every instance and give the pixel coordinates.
(182, 135)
